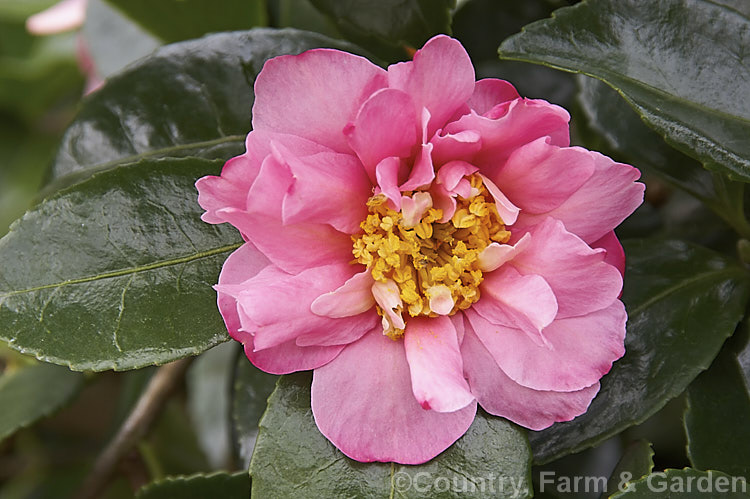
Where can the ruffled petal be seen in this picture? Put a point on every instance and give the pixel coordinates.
(63, 16)
(539, 177)
(609, 196)
(439, 78)
(495, 255)
(363, 403)
(518, 122)
(314, 94)
(275, 307)
(435, 365)
(327, 188)
(579, 350)
(505, 208)
(240, 266)
(351, 298)
(489, 92)
(501, 396)
(293, 248)
(580, 278)
(524, 302)
(385, 126)
(462, 146)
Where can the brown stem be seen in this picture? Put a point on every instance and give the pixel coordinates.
(135, 427)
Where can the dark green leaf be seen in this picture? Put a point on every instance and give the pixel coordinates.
(685, 484)
(32, 392)
(223, 485)
(630, 138)
(636, 462)
(718, 414)
(208, 384)
(293, 459)
(667, 58)
(387, 27)
(188, 99)
(250, 394)
(683, 301)
(176, 20)
(116, 272)
(301, 14)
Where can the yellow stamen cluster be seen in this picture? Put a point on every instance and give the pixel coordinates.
(430, 253)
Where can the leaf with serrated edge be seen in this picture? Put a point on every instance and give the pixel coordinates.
(116, 272)
(668, 343)
(668, 59)
(292, 459)
(221, 484)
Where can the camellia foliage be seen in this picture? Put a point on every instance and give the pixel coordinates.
(120, 376)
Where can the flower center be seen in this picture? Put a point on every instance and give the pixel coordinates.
(433, 266)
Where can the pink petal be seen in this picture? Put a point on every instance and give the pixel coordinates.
(387, 296)
(440, 78)
(444, 201)
(539, 177)
(242, 265)
(451, 173)
(327, 188)
(579, 350)
(525, 302)
(524, 121)
(288, 357)
(505, 208)
(460, 146)
(64, 16)
(315, 94)
(580, 278)
(437, 377)
(385, 126)
(602, 203)
(495, 255)
(293, 248)
(351, 298)
(414, 207)
(489, 92)
(615, 254)
(275, 308)
(423, 171)
(501, 396)
(386, 174)
(363, 403)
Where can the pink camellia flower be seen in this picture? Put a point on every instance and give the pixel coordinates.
(422, 241)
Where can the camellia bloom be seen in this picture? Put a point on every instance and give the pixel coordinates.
(422, 241)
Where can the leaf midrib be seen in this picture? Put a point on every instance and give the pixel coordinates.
(126, 271)
(166, 150)
(684, 284)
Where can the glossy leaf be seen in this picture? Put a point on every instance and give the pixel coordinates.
(637, 461)
(718, 414)
(685, 484)
(208, 384)
(387, 27)
(116, 272)
(683, 301)
(625, 133)
(293, 459)
(668, 59)
(250, 393)
(176, 20)
(32, 392)
(188, 99)
(224, 485)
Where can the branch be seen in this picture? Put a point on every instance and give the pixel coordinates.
(135, 427)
